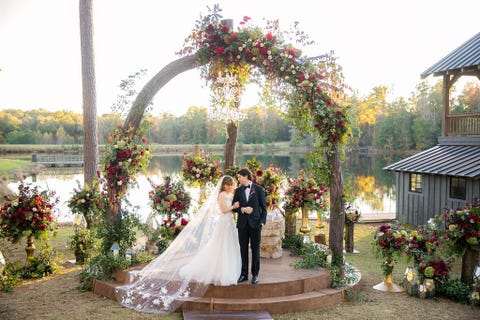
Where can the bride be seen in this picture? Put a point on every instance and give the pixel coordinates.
(205, 252)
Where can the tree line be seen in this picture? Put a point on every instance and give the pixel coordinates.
(402, 124)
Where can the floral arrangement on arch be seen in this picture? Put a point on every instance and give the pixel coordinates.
(126, 154)
(31, 212)
(270, 179)
(201, 169)
(316, 83)
(352, 214)
(170, 198)
(389, 242)
(463, 227)
(301, 192)
(436, 269)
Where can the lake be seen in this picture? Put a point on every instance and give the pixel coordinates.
(372, 187)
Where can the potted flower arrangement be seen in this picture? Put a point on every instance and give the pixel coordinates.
(86, 204)
(305, 194)
(434, 273)
(463, 236)
(389, 241)
(29, 213)
(352, 216)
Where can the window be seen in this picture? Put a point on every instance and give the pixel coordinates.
(458, 188)
(415, 182)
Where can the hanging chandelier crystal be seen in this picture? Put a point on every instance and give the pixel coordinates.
(224, 99)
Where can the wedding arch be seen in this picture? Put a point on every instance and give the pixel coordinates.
(311, 88)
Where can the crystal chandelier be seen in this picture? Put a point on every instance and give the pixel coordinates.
(224, 97)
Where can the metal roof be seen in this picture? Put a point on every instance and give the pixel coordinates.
(449, 160)
(464, 58)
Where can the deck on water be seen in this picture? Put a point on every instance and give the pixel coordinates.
(58, 160)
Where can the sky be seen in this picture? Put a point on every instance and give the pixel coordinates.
(377, 42)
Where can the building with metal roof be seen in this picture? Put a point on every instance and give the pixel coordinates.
(447, 175)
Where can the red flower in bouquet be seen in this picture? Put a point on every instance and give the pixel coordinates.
(31, 212)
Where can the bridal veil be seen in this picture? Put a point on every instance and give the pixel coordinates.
(158, 287)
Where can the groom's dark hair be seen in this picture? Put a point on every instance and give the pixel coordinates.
(245, 173)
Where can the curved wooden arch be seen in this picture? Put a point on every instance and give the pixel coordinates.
(152, 87)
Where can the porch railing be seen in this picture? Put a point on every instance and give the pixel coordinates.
(462, 124)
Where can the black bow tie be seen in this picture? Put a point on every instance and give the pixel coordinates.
(247, 186)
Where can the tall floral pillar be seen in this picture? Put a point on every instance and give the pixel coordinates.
(352, 216)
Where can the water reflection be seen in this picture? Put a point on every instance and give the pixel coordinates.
(372, 187)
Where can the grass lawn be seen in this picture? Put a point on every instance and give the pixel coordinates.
(9, 165)
(56, 296)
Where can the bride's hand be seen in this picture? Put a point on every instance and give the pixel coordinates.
(236, 205)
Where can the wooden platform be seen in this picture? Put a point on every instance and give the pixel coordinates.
(281, 289)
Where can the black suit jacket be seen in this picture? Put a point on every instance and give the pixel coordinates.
(257, 201)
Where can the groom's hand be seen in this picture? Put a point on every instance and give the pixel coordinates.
(247, 210)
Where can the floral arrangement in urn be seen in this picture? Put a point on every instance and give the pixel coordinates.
(389, 241)
(200, 169)
(303, 192)
(463, 227)
(29, 213)
(169, 197)
(270, 179)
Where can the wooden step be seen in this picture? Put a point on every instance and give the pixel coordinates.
(225, 315)
(312, 300)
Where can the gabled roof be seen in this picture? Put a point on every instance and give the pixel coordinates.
(464, 58)
(449, 160)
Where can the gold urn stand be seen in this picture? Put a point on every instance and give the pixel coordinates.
(388, 285)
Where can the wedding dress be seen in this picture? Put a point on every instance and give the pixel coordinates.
(205, 252)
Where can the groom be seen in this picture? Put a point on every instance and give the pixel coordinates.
(251, 216)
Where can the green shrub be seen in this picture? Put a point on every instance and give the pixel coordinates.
(455, 290)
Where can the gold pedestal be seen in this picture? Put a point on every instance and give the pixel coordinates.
(388, 285)
(203, 194)
(30, 248)
(305, 228)
(320, 224)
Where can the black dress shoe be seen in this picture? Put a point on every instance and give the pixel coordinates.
(242, 278)
(255, 280)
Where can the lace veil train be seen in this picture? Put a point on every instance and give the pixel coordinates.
(158, 287)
